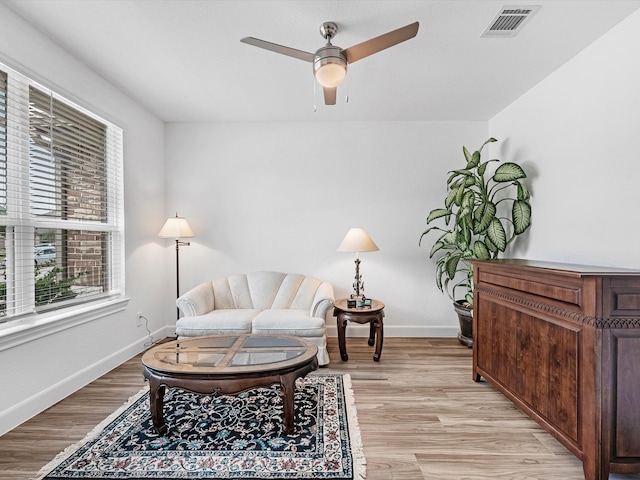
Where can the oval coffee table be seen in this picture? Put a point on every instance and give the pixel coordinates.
(228, 364)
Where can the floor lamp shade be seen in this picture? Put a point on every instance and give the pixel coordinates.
(177, 228)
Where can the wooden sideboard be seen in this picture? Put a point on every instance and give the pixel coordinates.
(563, 343)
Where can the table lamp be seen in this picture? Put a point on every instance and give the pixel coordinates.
(357, 240)
(177, 227)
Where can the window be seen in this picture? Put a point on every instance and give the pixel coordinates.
(61, 225)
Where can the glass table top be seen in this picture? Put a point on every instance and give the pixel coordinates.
(228, 353)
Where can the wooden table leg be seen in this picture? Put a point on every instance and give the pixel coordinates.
(287, 391)
(372, 334)
(342, 327)
(156, 402)
(379, 329)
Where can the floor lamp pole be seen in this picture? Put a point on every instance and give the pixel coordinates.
(177, 276)
(178, 243)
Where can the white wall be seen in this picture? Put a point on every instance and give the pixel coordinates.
(36, 374)
(578, 133)
(281, 196)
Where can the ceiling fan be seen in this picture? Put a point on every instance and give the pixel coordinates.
(330, 62)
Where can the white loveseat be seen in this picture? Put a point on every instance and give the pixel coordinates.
(259, 302)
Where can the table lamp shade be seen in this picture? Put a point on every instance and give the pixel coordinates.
(176, 227)
(357, 240)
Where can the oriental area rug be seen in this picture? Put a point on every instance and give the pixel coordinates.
(223, 437)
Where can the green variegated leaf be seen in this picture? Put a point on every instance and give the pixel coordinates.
(475, 158)
(481, 251)
(438, 213)
(451, 266)
(497, 235)
(523, 193)
(483, 216)
(458, 176)
(521, 213)
(468, 181)
(439, 271)
(459, 193)
(451, 238)
(491, 140)
(469, 296)
(436, 247)
(451, 197)
(466, 153)
(508, 172)
(473, 163)
(492, 248)
(464, 238)
(455, 184)
(468, 200)
(464, 215)
(466, 172)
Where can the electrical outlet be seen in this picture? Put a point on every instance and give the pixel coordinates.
(139, 319)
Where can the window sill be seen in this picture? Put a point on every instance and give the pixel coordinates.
(32, 327)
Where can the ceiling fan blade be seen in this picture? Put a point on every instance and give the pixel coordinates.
(274, 47)
(375, 45)
(329, 95)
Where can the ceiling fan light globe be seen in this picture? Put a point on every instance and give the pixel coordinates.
(331, 75)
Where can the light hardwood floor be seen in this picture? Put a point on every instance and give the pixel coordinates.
(420, 414)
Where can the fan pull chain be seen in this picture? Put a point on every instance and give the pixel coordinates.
(315, 106)
(346, 87)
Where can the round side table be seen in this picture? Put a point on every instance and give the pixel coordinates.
(372, 315)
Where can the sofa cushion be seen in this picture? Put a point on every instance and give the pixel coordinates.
(263, 287)
(217, 322)
(288, 322)
(232, 292)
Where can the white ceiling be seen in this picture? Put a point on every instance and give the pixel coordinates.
(183, 60)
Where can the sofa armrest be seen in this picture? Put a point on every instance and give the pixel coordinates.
(323, 300)
(197, 301)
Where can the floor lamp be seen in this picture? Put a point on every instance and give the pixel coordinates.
(177, 228)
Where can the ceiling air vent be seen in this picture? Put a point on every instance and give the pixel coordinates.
(510, 21)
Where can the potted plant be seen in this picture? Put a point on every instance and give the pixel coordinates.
(483, 213)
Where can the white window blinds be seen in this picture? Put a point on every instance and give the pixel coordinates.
(61, 228)
(3, 142)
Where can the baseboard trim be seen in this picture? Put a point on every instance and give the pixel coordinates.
(419, 331)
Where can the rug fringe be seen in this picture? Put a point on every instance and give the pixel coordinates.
(70, 450)
(359, 459)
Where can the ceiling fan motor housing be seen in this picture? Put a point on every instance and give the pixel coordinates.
(330, 66)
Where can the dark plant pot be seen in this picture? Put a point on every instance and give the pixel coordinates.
(465, 317)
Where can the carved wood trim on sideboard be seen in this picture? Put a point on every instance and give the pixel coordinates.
(577, 317)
